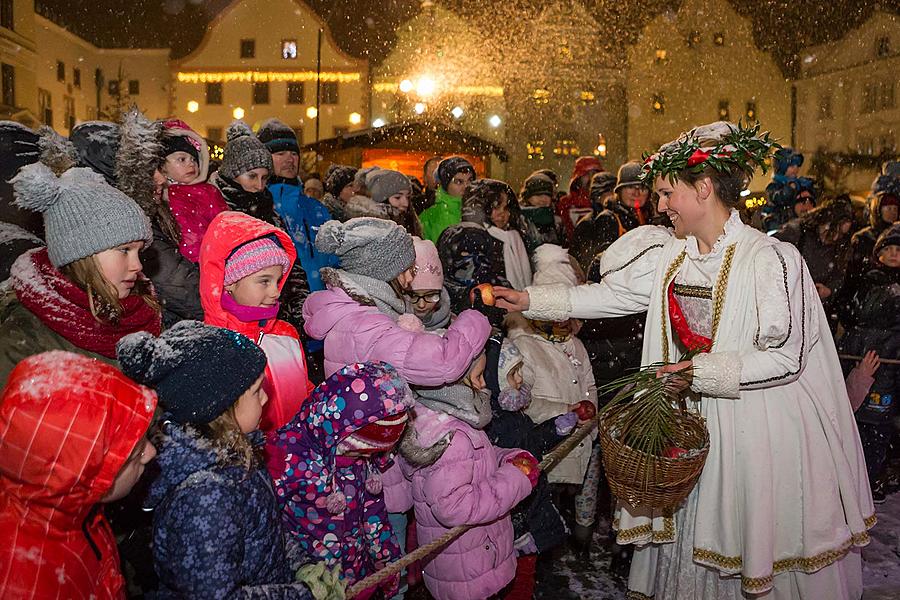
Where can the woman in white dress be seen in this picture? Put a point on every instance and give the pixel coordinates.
(783, 503)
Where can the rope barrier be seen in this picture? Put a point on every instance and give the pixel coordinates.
(884, 361)
(550, 460)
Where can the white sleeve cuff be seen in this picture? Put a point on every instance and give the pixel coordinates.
(717, 374)
(548, 302)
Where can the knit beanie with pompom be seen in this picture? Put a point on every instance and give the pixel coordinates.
(376, 248)
(243, 152)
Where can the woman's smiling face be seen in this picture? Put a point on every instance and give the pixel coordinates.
(681, 202)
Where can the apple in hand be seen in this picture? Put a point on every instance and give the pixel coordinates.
(585, 410)
(523, 464)
(487, 294)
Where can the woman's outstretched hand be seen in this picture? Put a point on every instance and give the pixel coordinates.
(511, 300)
(682, 375)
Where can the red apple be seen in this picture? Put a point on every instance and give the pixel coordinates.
(674, 452)
(585, 410)
(487, 294)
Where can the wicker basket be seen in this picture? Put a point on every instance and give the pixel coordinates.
(642, 479)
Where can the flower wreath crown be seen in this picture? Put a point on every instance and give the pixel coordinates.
(741, 147)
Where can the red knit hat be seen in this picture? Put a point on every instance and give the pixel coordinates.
(376, 437)
(254, 256)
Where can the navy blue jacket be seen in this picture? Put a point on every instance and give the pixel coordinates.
(217, 529)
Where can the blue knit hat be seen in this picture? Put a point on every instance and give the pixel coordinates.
(197, 370)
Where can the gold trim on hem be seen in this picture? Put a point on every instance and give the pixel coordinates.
(657, 536)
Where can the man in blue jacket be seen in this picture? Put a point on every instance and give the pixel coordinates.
(302, 216)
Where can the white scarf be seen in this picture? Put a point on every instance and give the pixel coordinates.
(515, 258)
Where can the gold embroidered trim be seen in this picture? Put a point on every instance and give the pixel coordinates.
(693, 291)
(666, 534)
(718, 295)
(870, 522)
(670, 273)
(633, 595)
(803, 564)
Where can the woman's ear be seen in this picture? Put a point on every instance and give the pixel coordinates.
(704, 189)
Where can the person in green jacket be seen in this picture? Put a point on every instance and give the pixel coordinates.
(453, 175)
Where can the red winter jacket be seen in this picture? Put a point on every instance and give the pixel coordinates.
(287, 382)
(68, 423)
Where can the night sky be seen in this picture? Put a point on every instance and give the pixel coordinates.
(366, 28)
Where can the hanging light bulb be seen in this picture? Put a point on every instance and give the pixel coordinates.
(495, 121)
(457, 112)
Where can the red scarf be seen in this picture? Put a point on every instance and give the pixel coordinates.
(63, 307)
(690, 340)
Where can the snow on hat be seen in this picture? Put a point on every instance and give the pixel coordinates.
(553, 266)
(888, 237)
(198, 370)
(255, 255)
(376, 248)
(243, 152)
(429, 271)
(450, 166)
(83, 215)
(361, 176)
(384, 183)
(277, 136)
(338, 177)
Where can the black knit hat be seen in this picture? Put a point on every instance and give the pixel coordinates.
(888, 237)
(338, 177)
(277, 136)
(179, 143)
(601, 184)
(197, 370)
(449, 167)
(537, 185)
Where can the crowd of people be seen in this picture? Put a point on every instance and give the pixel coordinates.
(239, 380)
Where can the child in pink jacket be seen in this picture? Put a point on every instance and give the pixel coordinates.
(357, 314)
(449, 471)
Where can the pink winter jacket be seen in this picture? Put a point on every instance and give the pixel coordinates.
(469, 484)
(354, 332)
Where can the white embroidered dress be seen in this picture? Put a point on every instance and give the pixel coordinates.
(783, 498)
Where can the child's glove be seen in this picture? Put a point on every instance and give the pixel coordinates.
(525, 545)
(494, 315)
(526, 463)
(324, 583)
(565, 423)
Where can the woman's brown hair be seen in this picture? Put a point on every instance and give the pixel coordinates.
(225, 434)
(103, 299)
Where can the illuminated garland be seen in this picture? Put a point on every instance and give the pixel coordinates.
(463, 90)
(264, 76)
(742, 147)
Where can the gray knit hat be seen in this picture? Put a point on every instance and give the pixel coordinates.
(384, 183)
(83, 215)
(359, 180)
(243, 152)
(367, 246)
(629, 174)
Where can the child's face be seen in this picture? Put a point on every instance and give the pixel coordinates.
(500, 213)
(259, 289)
(120, 266)
(542, 200)
(254, 180)
(424, 302)
(400, 201)
(131, 471)
(475, 377)
(514, 377)
(888, 212)
(248, 408)
(405, 278)
(890, 256)
(347, 192)
(634, 196)
(180, 167)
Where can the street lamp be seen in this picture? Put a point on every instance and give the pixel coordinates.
(193, 106)
(457, 112)
(495, 121)
(238, 113)
(355, 118)
(419, 108)
(406, 86)
(312, 112)
(378, 123)
(425, 87)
